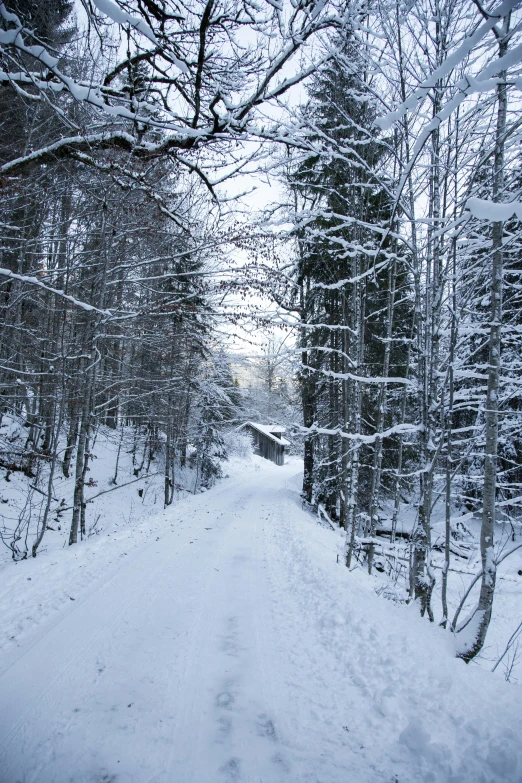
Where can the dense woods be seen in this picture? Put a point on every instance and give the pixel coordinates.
(391, 258)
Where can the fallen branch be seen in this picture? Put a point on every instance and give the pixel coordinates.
(322, 513)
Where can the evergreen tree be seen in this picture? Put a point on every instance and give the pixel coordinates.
(343, 272)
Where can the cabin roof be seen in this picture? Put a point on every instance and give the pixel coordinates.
(268, 430)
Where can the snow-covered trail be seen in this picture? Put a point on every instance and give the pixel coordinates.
(232, 648)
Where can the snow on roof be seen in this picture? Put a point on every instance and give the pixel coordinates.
(268, 429)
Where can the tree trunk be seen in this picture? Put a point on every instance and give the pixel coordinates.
(482, 615)
(381, 410)
(308, 403)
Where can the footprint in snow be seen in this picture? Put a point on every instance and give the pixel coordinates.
(266, 728)
(231, 769)
(103, 777)
(224, 700)
(280, 762)
(224, 728)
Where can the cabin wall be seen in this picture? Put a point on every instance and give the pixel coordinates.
(267, 448)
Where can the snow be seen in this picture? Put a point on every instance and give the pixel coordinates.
(220, 641)
(115, 13)
(491, 210)
(362, 378)
(355, 436)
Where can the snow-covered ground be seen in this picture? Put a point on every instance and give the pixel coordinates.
(219, 641)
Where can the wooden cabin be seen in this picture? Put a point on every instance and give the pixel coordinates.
(268, 441)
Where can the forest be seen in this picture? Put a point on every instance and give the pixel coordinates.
(330, 188)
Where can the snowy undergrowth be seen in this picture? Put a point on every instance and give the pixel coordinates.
(119, 491)
(390, 577)
(465, 564)
(506, 609)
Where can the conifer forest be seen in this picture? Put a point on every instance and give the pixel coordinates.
(305, 213)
